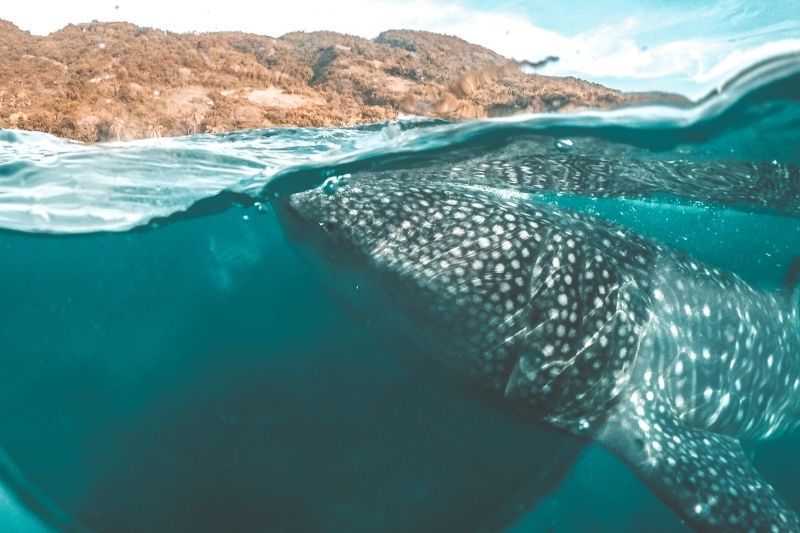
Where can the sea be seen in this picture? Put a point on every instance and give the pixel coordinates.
(168, 363)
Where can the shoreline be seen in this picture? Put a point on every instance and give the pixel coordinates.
(98, 82)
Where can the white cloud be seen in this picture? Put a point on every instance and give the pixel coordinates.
(609, 51)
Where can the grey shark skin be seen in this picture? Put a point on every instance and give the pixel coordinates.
(608, 170)
(580, 324)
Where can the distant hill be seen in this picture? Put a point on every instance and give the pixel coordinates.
(109, 81)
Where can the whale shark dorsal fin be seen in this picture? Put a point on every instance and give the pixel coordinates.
(705, 477)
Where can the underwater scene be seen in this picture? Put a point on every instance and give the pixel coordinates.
(577, 322)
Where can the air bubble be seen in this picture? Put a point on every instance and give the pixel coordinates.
(332, 184)
(564, 144)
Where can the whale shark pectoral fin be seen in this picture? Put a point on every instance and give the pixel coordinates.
(703, 476)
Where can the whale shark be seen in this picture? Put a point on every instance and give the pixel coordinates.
(577, 323)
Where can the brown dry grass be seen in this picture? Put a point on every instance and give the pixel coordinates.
(110, 81)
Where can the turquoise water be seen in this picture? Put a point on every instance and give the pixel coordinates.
(170, 364)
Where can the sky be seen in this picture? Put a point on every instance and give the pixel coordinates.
(685, 46)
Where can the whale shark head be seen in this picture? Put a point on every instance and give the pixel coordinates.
(389, 252)
(487, 284)
(311, 218)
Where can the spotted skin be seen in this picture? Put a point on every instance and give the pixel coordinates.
(600, 169)
(586, 326)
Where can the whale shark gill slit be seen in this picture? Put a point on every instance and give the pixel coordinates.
(791, 285)
(583, 325)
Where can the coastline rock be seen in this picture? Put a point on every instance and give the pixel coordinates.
(118, 81)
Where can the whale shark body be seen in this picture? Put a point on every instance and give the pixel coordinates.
(578, 323)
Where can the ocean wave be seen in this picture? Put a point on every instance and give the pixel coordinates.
(736, 147)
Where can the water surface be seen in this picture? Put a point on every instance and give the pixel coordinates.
(169, 364)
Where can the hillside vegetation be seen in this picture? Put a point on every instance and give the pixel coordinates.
(117, 81)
